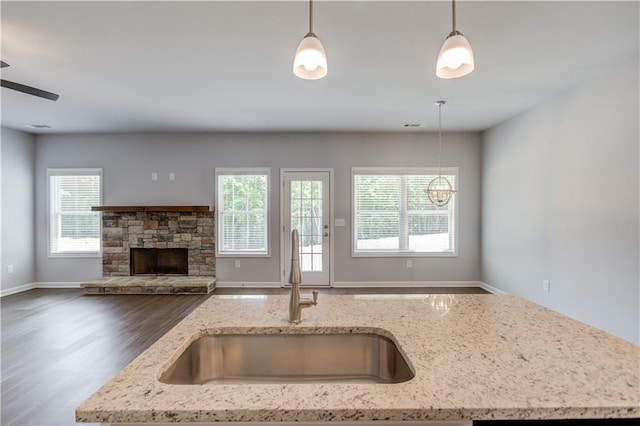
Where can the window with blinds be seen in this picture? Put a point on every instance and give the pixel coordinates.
(243, 211)
(74, 230)
(392, 215)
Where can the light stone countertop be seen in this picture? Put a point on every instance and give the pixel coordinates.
(486, 357)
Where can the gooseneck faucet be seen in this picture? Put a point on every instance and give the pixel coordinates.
(296, 302)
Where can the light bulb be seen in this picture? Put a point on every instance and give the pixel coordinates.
(310, 66)
(454, 58)
(311, 59)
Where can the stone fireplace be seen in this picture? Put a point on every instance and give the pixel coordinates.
(156, 250)
(123, 231)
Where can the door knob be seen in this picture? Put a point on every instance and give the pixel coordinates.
(326, 227)
(326, 234)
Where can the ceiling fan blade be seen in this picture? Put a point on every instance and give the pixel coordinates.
(29, 90)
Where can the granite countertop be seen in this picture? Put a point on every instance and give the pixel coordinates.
(474, 356)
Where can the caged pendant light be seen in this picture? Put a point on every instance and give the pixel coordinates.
(439, 189)
(310, 61)
(456, 57)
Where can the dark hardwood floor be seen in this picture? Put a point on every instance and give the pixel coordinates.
(59, 346)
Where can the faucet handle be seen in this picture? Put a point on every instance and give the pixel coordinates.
(315, 296)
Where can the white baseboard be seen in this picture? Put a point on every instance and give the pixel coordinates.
(31, 286)
(377, 284)
(58, 285)
(247, 284)
(18, 289)
(490, 288)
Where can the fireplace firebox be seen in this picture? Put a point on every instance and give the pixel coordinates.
(154, 261)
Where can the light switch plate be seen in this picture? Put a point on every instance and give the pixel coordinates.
(340, 222)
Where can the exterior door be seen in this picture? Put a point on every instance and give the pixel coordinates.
(306, 207)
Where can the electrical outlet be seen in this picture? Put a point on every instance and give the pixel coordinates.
(409, 264)
(9, 269)
(546, 285)
(154, 176)
(172, 176)
(237, 264)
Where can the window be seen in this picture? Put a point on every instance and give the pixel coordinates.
(74, 230)
(243, 211)
(392, 215)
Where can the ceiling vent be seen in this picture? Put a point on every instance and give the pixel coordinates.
(39, 126)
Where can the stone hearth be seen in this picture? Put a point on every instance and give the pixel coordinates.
(150, 285)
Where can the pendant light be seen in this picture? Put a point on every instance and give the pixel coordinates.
(439, 189)
(310, 61)
(456, 57)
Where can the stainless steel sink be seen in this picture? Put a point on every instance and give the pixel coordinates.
(289, 358)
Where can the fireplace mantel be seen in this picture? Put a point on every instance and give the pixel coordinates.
(151, 208)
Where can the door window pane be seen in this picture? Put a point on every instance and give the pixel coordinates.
(306, 217)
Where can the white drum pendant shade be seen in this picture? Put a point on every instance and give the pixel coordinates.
(310, 61)
(455, 58)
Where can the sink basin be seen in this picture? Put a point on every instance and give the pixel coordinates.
(289, 358)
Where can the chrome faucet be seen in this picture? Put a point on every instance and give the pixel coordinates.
(297, 303)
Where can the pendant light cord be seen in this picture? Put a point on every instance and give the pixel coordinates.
(310, 16)
(453, 14)
(439, 138)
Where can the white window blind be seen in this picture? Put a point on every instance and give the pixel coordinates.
(243, 201)
(392, 214)
(74, 230)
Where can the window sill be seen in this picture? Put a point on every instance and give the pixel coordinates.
(74, 255)
(403, 254)
(243, 254)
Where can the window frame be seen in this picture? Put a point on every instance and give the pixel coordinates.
(403, 171)
(235, 171)
(72, 172)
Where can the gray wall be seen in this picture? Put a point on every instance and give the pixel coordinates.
(560, 202)
(129, 160)
(18, 241)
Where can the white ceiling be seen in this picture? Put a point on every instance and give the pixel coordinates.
(227, 66)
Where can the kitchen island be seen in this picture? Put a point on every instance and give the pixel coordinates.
(474, 357)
